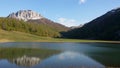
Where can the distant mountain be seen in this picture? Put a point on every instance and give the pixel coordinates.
(29, 21)
(34, 17)
(75, 27)
(105, 27)
(25, 15)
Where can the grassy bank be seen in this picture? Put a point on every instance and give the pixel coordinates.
(14, 36)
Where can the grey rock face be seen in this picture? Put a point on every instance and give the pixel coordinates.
(26, 15)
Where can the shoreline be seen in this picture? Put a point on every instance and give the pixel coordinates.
(61, 41)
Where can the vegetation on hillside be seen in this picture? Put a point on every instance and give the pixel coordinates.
(10, 24)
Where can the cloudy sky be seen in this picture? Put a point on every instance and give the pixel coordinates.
(67, 12)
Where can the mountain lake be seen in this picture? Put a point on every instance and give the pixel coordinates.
(59, 55)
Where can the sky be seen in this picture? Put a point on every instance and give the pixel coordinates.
(66, 12)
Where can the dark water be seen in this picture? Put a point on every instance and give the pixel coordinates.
(59, 55)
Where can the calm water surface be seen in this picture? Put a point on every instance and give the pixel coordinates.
(59, 55)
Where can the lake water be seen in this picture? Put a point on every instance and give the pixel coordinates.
(59, 55)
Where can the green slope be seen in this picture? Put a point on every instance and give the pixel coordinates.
(15, 36)
(6, 36)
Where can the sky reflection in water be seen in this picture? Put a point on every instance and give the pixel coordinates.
(69, 60)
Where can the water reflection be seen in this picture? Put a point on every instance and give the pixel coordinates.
(107, 54)
(39, 58)
(23, 57)
(26, 61)
(69, 60)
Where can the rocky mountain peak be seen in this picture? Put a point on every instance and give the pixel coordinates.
(25, 15)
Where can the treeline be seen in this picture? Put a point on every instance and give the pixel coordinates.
(10, 24)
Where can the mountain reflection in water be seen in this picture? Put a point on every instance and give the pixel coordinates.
(26, 61)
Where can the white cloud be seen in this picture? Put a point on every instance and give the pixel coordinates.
(67, 22)
(82, 1)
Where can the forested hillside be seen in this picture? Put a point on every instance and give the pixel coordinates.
(10, 24)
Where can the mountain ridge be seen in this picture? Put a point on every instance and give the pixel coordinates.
(105, 27)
